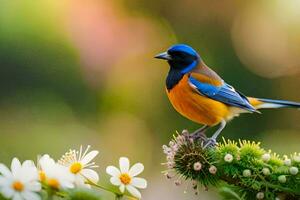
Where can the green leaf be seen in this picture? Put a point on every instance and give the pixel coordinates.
(229, 194)
(83, 194)
(2, 198)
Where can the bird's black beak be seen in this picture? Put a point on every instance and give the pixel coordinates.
(164, 56)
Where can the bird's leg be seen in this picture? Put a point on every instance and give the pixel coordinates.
(200, 133)
(200, 130)
(213, 140)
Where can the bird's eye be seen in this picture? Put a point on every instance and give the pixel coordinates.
(178, 54)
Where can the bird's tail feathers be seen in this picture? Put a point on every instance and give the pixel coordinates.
(260, 103)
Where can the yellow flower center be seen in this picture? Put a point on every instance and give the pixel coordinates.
(42, 176)
(18, 186)
(125, 179)
(53, 183)
(76, 167)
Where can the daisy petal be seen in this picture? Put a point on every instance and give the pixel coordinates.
(91, 175)
(124, 164)
(122, 188)
(17, 196)
(7, 192)
(28, 174)
(28, 163)
(113, 171)
(115, 181)
(5, 171)
(15, 166)
(3, 181)
(30, 196)
(66, 184)
(136, 169)
(79, 182)
(132, 190)
(44, 160)
(88, 157)
(34, 186)
(139, 183)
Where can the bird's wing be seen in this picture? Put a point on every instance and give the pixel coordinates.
(222, 92)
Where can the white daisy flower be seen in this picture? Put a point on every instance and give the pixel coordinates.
(80, 165)
(53, 174)
(21, 183)
(41, 163)
(125, 177)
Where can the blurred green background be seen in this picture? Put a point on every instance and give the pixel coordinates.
(82, 72)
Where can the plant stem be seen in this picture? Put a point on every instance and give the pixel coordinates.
(118, 197)
(103, 187)
(61, 194)
(266, 184)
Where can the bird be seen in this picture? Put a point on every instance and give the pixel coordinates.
(201, 95)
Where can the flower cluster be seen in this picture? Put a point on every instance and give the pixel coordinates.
(186, 161)
(75, 169)
(249, 171)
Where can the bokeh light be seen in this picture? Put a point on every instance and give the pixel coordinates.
(266, 40)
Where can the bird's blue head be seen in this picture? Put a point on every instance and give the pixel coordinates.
(181, 57)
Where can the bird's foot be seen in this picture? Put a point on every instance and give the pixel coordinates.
(199, 135)
(210, 142)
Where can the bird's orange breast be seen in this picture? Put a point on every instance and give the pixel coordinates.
(194, 106)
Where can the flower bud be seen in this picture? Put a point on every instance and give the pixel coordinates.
(168, 176)
(294, 170)
(171, 143)
(297, 158)
(166, 149)
(170, 158)
(170, 165)
(194, 183)
(228, 158)
(180, 140)
(282, 178)
(177, 183)
(266, 171)
(197, 166)
(266, 157)
(260, 195)
(246, 173)
(212, 169)
(175, 147)
(287, 162)
(185, 132)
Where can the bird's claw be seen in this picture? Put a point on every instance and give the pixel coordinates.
(210, 142)
(199, 136)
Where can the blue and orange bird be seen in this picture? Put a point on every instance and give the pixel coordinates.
(201, 95)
